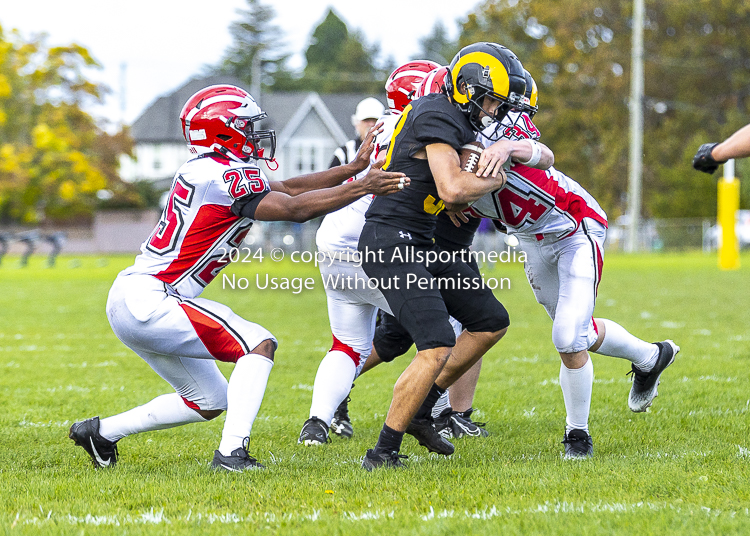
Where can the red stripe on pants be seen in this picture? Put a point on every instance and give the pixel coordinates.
(348, 350)
(217, 340)
(599, 266)
(191, 405)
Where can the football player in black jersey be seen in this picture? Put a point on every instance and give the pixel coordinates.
(422, 286)
(453, 416)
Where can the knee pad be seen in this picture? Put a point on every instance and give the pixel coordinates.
(494, 318)
(391, 340)
(566, 338)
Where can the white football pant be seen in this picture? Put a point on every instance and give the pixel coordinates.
(564, 275)
(180, 338)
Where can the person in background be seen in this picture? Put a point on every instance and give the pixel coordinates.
(711, 155)
(365, 116)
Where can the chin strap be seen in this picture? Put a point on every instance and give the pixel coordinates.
(275, 164)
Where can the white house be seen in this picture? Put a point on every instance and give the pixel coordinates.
(309, 127)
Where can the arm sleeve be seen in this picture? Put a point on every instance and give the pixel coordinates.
(436, 127)
(245, 206)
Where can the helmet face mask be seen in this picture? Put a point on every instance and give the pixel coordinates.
(222, 119)
(485, 70)
(488, 109)
(518, 124)
(257, 143)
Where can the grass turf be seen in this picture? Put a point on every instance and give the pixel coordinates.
(681, 468)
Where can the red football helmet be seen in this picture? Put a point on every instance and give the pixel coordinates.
(434, 82)
(402, 84)
(221, 119)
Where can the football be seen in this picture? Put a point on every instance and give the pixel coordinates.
(469, 156)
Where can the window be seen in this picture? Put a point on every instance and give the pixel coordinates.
(309, 155)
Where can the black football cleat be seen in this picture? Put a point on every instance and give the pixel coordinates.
(424, 432)
(341, 425)
(578, 445)
(314, 432)
(645, 384)
(85, 434)
(455, 424)
(237, 462)
(373, 460)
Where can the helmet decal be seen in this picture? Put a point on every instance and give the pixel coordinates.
(496, 75)
(485, 71)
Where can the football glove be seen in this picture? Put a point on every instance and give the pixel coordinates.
(703, 161)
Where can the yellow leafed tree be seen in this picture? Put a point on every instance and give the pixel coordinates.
(54, 158)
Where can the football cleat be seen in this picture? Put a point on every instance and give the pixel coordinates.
(455, 424)
(314, 432)
(373, 459)
(341, 425)
(236, 462)
(645, 384)
(85, 434)
(578, 445)
(424, 432)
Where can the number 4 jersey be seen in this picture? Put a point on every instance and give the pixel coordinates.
(539, 202)
(201, 222)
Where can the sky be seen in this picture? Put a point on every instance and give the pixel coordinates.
(148, 48)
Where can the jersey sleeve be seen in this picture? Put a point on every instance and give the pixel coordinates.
(433, 126)
(247, 187)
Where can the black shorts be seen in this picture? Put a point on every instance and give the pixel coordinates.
(391, 340)
(423, 294)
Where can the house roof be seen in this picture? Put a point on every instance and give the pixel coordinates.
(159, 122)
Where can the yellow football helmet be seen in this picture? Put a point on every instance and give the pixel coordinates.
(531, 96)
(486, 70)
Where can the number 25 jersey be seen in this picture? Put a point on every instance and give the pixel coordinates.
(201, 223)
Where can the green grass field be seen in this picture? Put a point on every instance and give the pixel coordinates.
(681, 468)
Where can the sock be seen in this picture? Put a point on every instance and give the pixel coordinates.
(389, 440)
(333, 382)
(577, 385)
(165, 411)
(619, 343)
(247, 384)
(441, 405)
(425, 409)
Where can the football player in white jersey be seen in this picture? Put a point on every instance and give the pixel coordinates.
(562, 229)
(352, 308)
(154, 306)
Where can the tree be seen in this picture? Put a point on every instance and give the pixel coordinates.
(340, 61)
(579, 53)
(257, 42)
(437, 46)
(53, 157)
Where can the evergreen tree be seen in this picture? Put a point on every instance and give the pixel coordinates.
(257, 44)
(437, 46)
(339, 61)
